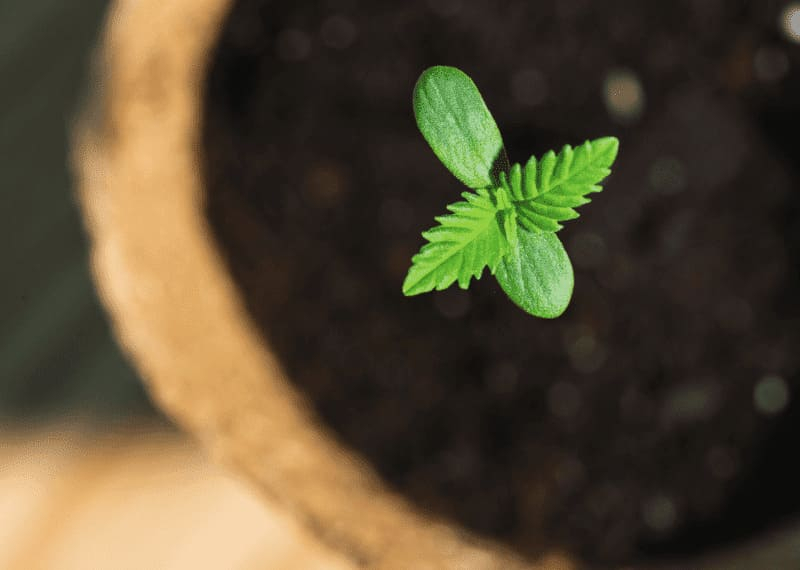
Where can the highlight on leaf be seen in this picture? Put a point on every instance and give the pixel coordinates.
(466, 241)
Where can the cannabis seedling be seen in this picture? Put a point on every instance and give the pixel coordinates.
(508, 222)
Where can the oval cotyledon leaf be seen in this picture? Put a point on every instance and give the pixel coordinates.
(537, 274)
(454, 119)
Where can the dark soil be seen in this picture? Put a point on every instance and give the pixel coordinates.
(625, 430)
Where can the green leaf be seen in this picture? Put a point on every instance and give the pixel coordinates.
(548, 191)
(537, 274)
(508, 215)
(454, 119)
(463, 243)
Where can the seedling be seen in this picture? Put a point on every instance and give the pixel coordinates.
(509, 219)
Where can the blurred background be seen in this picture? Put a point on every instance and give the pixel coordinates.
(86, 462)
(56, 354)
(91, 476)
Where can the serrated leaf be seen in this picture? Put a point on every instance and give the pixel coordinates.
(552, 187)
(466, 241)
(454, 119)
(537, 274)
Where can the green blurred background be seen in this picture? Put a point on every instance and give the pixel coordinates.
(56, 350)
